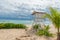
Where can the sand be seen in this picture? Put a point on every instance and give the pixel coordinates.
(11, 34)
(21, 34)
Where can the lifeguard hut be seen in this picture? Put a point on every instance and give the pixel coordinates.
(38, 18)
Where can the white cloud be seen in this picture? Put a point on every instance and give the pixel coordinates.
(13, 4)
(26, 6)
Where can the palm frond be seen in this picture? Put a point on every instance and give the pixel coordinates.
(54, 17)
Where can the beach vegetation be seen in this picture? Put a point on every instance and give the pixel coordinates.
(44, 32)
(36, 26)
(11, 25)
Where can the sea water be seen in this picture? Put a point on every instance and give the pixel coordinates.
(17, 21)
(21, 21)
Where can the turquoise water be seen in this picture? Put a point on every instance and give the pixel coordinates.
(21, 21)
(17, 21)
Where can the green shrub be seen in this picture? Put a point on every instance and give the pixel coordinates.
(11, 25)
(40, 32)
(8, 25)
(36, 26)
(2, 25)
(20, 26)
(44, 32)
(48, 34)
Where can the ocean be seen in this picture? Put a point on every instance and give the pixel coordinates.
(20, 21)
(17, 21)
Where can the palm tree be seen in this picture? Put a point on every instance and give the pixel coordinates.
(54, 17)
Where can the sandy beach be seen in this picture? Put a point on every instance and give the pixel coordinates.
(20, 34)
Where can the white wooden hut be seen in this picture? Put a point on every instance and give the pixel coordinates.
(38, 18)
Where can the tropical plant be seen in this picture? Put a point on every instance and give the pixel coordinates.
(54, 17)
(47, 32)
(44, 32)
(36, 27)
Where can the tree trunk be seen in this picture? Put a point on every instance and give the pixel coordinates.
(58, 34)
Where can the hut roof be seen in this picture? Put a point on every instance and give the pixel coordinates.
(34, 12)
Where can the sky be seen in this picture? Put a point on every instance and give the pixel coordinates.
(22, 9)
